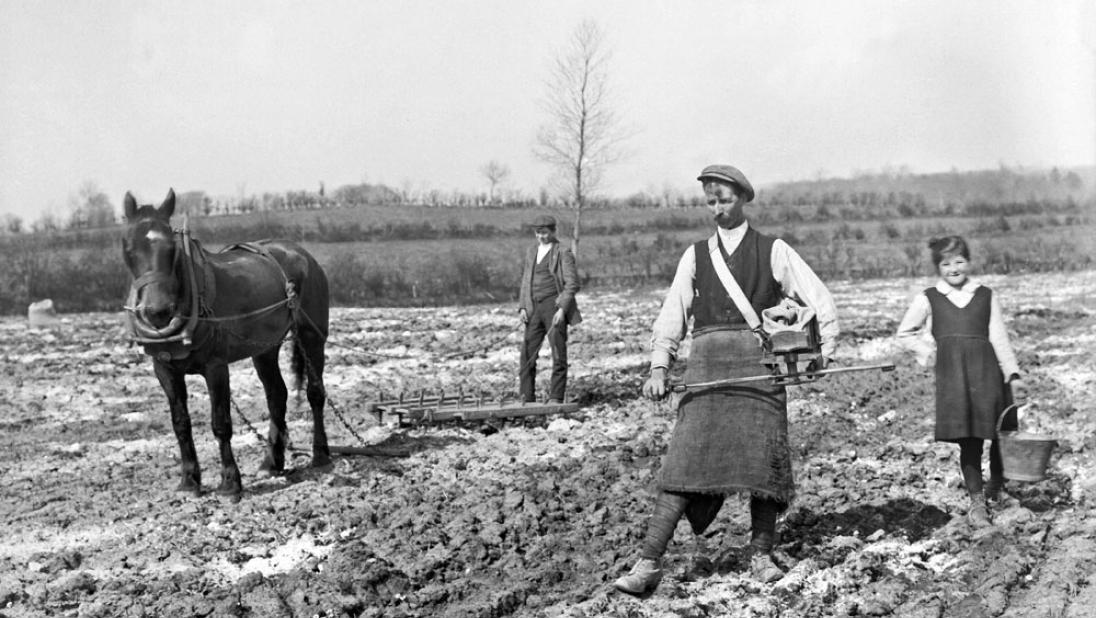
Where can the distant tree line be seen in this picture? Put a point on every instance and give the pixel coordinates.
(883, 195)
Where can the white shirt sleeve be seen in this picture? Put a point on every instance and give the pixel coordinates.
(800, 282)
(673, 319)
(998, 338)
(913, 331)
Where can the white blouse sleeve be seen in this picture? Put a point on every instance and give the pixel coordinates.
(673, 319)
(914, 332)
(998, 338)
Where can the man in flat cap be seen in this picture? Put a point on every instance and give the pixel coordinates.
(549, 282)
(731, 439)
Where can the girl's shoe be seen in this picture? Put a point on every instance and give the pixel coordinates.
(978, 514)
(643, 578)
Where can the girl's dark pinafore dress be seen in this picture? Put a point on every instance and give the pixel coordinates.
(970, 388)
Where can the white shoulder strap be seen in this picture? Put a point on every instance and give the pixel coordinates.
(728, 281)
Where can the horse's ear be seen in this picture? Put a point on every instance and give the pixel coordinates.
(168, 206)
(130, 206)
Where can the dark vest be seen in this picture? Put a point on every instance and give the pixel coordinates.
(751, 267)
(544, 284)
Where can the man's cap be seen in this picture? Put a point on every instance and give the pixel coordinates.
(728, 173)
(543, 221)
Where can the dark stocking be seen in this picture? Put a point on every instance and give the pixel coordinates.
(660, 528)
(970, 459)
(763, 512)
(996, 466)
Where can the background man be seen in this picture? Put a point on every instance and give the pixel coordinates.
(549, 282)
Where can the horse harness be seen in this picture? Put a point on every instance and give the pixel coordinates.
(172, 343)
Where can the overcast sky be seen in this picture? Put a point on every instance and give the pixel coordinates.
(271, 96)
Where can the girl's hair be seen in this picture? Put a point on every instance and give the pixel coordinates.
(948, 245)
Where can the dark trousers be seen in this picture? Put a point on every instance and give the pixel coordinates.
(539, 326)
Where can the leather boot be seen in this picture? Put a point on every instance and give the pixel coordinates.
(978, 514)
(762, 567)
(643, 578)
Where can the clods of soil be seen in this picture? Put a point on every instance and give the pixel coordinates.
(533, 517)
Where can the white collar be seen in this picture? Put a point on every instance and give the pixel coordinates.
(969, 286)
(731, 238)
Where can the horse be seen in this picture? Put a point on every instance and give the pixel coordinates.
(196, 311)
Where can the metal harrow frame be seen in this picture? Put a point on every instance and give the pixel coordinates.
(428, 409)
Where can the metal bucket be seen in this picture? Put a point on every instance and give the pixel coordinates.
(1024, 455)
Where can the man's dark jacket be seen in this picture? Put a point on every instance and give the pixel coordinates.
(561, 263)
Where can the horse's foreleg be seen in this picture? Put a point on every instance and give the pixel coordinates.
(216, 376)
(174, 386)
(312, 349)
(266, 365)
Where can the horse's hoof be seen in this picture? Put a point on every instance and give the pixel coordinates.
(323, 464)
(271, 468)
(189, 486)
(230, 490)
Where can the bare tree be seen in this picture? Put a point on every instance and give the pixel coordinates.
(90, 208)
(495, 173)
(583, 133)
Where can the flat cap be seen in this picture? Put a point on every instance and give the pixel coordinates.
(543, 221)
(728, 173)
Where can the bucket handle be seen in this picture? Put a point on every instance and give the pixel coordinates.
(1001, 417)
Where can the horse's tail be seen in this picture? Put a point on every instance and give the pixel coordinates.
(297, 362)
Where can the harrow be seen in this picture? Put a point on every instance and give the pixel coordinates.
(440, 407)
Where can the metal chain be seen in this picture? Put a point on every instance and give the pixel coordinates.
(342, 419)
(449, 355)
(368, 353)
(292, 334)
(327, 398)
(482, 347)
(288, 443)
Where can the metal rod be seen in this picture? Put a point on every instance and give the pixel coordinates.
(678, 388)
(371, 451)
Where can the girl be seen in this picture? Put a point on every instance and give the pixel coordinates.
(975, 366)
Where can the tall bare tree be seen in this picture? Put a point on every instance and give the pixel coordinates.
(584, 132)
(495, 173)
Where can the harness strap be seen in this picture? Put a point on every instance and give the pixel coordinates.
(291, 300)
(290, 291)
(171, 333)
(734, 290)
(149, 278)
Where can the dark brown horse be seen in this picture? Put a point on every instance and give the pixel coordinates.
(195, 312)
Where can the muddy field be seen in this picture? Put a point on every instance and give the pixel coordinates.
(531, 518)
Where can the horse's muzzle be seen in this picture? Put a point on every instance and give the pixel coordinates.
(159, 326)
(158, 317)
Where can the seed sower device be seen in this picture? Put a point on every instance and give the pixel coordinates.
(791, 351)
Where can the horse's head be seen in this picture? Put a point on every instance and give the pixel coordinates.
(149, 251)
